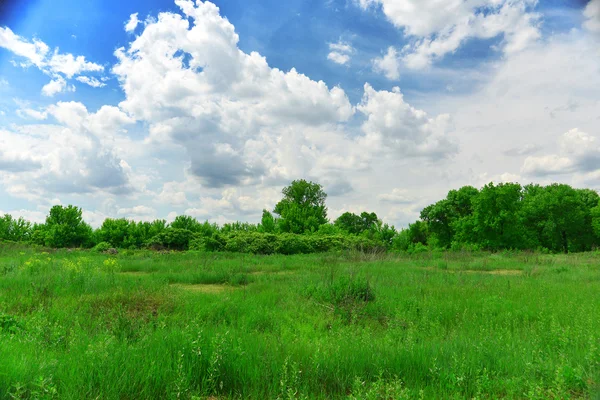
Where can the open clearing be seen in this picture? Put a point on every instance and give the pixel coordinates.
(428, 326)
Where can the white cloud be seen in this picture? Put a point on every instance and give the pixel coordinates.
(70, 65)
(137, 211)
(224, 131)
(439, 28)
(77, 155)
(58, 65)
(35, 52)
(393, 125)
(340, 52)
(591, 14)
(388, 64)
(132, 23)
(91, 81)
(579, 152)
(56, 85)
(338, 58)
(397, 196)
(30, 113)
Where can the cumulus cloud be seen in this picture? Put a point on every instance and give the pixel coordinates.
(591, 14)
(91, 81)
(579, 152)
(394, 125)
(234, 114)
(439, 28)
(388, 64)
(340, 52)
(14, 162)
(30, 113)
(56, 64)
(57, 85)
(132, 23)
(77, 155)
(137, 211)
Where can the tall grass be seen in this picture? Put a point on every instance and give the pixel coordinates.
(139, 325)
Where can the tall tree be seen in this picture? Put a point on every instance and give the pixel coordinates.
(496, 222)
(556, 214)
(302, 208)
(65, 228)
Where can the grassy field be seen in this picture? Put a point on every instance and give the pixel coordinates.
(138, 325)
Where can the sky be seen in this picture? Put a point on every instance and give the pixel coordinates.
(157, 108)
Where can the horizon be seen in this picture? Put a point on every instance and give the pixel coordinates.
(147, 110)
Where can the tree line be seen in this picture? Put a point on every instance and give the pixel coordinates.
(554, 218)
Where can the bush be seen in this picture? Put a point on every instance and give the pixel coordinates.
(102, 247)
(172, 238)
(289, 243)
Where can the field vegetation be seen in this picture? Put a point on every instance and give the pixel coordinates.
(492, 293)
(550, 219)
(142, 324)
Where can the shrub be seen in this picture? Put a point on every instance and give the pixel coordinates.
(172, 238)
(289, 243)
(102, 247)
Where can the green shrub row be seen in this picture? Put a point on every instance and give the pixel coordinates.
(285, 243)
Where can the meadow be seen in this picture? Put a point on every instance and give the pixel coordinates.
(191, 325)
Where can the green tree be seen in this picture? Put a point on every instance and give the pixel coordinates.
(15, 229)
(557, 215)
(65, 228)
(447, 216)
(186, 222)
(267, 222)
(496, 221)
(302, 208)
(114, 231)
(595, 220)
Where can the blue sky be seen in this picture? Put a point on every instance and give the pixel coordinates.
(415, 99)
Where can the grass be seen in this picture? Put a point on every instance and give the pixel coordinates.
(143, 325)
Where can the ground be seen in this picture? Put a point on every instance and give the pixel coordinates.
(142, 324)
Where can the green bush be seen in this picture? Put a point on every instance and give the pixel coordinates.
(172, 239)
(102, 247)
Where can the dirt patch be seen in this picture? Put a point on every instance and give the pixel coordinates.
(505, 272)
(203, 288)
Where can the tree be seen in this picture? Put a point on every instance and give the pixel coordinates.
(302, 208)
(114, 231)
(496, 222)
(267, 222)
(65, 228)
(447, 217)
(185, 222)
(14, 229)
(595, 219)
(556, 215)
(357, 224)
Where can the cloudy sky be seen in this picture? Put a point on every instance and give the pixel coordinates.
(146, 109)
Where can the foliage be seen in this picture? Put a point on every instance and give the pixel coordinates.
(171, 238)
(14, 229)
(440, 325)
(302, 208)
(553, 218)
(65, 227)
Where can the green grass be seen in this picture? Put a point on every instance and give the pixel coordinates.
(143, 325)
